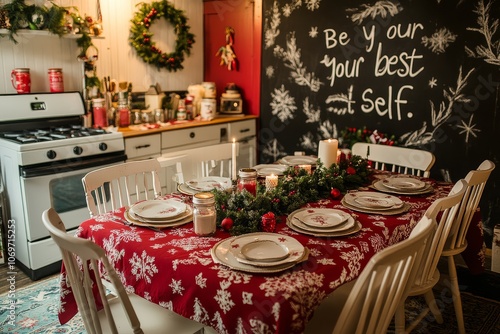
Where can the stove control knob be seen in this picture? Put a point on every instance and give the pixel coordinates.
(103, 146)
(77, 150)
(51, 154)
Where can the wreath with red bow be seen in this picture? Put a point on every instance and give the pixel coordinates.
(142, 41)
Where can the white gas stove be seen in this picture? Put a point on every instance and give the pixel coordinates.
(44, 153)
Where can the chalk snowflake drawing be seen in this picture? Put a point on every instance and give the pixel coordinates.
(380, 8)
(312, 4)
(343, 100)
(308, 141)
(274, 150)
(269, 71)
(291, 58)
(432, 82)
(282, 104)
(313, 115)
(271, 26)
(439, 41)
(439, 117)
(468, 129)
(313, 33)
(490, 52)
(328, 129)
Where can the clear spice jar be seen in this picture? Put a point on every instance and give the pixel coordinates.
(123, 113)
(247, 180)
(204, 215)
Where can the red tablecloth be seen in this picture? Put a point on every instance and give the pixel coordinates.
(174, 269)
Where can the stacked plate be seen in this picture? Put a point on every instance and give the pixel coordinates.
(159, 213)
(202, 184)
(323, 222)
(294, 160)
(403, 185)
(265, 170)
(373, 202)
(259, 252)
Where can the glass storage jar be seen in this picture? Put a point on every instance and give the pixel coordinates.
(100, 114)
(247, 180)
(204, 215)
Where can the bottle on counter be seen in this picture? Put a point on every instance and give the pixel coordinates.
(181, 114)
(204, 215)
(99, 113)
(123, 112)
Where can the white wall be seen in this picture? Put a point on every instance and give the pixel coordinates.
(116, 57)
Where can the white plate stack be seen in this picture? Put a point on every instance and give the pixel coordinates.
(403, 185)
(203, 184)
(323, 222)
(374, 202)
(159, 213)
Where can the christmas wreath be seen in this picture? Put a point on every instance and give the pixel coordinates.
(241, 212)
(141, 37)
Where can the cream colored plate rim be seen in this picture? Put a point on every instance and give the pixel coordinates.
(294, 160)
(208, 183)
(188, 212)
(391, 212)
(403, 183)
(356, 228)
(322, 218)
(378, 185)
(351, 199)
(158, 209)
(265, 170)
(180, 222)
(350, 223)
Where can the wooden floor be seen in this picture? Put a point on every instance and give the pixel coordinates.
(20, 278)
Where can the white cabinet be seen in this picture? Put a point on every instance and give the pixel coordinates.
(182, 139)
(143, 147)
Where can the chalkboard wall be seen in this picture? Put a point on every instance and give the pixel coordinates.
(424, 71)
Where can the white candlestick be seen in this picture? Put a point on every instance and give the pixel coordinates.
(306, 167)
(327, 152)
(271, 182)
(233, 160)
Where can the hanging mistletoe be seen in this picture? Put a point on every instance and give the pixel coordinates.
(141, 37)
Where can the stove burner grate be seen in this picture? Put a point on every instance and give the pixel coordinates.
(57, 133)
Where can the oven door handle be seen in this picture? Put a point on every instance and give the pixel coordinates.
(71, 165)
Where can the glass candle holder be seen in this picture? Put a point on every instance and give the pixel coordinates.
(247, 180)
(204, 215)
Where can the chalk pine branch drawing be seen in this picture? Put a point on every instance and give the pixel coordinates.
(490, 52)
(313, 115)
(291, 58)
(272, 24)
(380, 8)
(439, 115)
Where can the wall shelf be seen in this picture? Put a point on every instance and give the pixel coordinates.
(28, 32)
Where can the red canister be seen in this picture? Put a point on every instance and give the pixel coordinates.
(99, 113)
(21, 81)
(56, 80)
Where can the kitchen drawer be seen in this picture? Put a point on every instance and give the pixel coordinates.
(241, 130)
(149, 145)
(193, 137)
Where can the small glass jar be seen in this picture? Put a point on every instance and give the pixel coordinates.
(99, 112)
(123, 114)
(247, 180)
(204, 215)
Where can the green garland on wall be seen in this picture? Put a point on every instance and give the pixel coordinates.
(141, 37)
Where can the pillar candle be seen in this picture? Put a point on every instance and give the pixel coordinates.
(327, 152)
(271, 182)
(233, 160)
(306, 167)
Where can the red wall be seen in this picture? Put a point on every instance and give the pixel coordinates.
(245, 18)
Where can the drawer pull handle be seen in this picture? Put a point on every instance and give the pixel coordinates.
(244, 130)
(142, 146)
(192, 134)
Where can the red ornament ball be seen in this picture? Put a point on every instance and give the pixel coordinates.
(268, 222)
(335, 193)
(227, 223)
(350, 170)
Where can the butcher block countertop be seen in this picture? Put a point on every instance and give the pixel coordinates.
(143, 129)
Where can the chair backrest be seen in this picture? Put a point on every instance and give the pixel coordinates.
(383, 283)
(212, 160)
(86, 281)
(110, 188)
(444, 210)
(171, 174)
(396, 159)
(476, 181)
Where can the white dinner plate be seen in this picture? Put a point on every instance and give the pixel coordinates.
(223, 253)
(388, 212)
(264, 251)
(208, 183)
(294, 160)
(184, 189)
(158, 209)
(264, 170)
(291, 223)
(347, 225)
(155, 224)
(372, 200)
(322, 218)
(379, 185)
(187, 213)
(403, 183)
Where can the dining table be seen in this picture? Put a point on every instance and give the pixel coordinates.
(176, 268)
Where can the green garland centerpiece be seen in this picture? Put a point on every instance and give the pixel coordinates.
(141, 37)
(241, 212)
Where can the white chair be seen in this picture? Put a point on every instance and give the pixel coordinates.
(457, 242)
(444, 211)
(367, 304)
(121, 313)
(171, 173)
(396, 159)
(213, 160)
(110, 188)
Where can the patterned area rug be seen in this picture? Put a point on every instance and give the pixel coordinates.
(36, 312)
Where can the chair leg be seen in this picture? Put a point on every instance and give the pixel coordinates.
(431, 302)
(399, 318)
(455, 291)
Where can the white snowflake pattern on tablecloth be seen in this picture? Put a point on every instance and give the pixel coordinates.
(143, 267)
(96, 227)
(200, 280)
(112, 252)
(200, 313)
(377, 242)
(236, 277)
(176, 262)
(176, 286)
(223, 297)
(353, 259)
(167, 305)
(247, 298)
(182, 231)
(315, 252)
(260, 327)
(158, 235)
(326, 262)
(192, 243)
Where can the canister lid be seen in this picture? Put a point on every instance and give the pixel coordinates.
(247, 172)
(203, 198)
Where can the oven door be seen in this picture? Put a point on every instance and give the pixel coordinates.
(61, 189)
